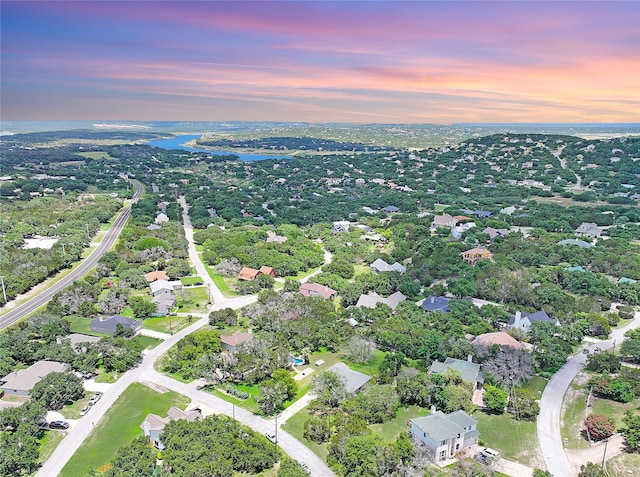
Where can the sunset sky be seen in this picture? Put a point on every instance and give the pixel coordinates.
(319, 61)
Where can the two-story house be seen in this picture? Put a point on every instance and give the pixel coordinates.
(445, 434)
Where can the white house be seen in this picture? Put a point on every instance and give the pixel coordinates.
(445, 434)
(523, 320)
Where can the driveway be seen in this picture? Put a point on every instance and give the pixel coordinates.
(551, 404)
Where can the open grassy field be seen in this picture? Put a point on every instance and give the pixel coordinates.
(120, 425)
(221, 283)
(95, 155)
(192, 299)
(166, 324)
(624, 465)
(390, 430)
(516, 440)
(48, 444)
(573, 413)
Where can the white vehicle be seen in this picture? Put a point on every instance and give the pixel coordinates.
(94, 399)
(84, 410)
(271, 437)
(490, 453)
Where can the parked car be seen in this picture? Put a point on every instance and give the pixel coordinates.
(87, 375)
(304, 466)
(271, 437)
(84, 410)
(58, 425)
(94, 399)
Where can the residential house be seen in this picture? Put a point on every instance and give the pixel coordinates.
(445, 434)
(493, 233)
(161, 218)
(476, 254)
(380, 265)
(435, 303)
(482, 214)
(469, 370)
(248, 274)
(109, 324)
(20, 383)
(164, 302)
(78, 340)
(444, 220)
(153, 425)
(579, 243)
(575, 268)
(630, 281)
(315, 289)
(524, 319)
(458, 230)
(230, 342)
(589, 229)
(392, 209)
(264, 270)
(157, 275)
(498, 338)
(273, 237)
(161, 286)
(372, 299)
(340, 227)
(154, 227)
(354, 381)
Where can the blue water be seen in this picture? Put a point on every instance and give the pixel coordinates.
(178, 141)
(298, 361)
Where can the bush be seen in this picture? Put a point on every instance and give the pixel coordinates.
(626, 312)
(229, 389)
(599, 426)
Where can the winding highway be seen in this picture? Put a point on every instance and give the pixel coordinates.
(86, 265)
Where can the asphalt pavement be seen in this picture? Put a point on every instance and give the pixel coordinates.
(551, 403)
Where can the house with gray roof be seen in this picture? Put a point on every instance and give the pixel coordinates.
(524, 319)
(445, 434)
(153, 425)
(372, 299)
(469, 370)
(354, 381)
(164, 302)
(493, 233)
(109, 324)
(435, 303)
(380, 265)
(20, 383)
(576, 242)
(589, 229)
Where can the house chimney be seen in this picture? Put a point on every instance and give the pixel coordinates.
(433, 299)
(250, 331)
(433, 409)
(516, 321)
(470, 358)
(146, 428)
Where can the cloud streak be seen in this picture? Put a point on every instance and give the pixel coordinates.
(383, 61)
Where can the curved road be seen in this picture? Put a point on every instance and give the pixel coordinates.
(551, 404)
(146, 372)
(86, 265)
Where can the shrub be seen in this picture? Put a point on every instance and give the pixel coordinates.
(599, 426)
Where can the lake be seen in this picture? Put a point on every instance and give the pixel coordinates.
(178, 143)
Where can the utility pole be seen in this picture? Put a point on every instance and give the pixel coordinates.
(277, 433)
(64, 252)
(604, 454)
(88, 236)
(4, 293)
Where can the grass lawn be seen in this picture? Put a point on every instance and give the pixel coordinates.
(361, 269)
(190, 280)
(119, 426)
(301, 275)
(390, 430)
(249, 404)
(79, 324)
(370, 367)
(295, 426)
(104, 377)
(573, 413)
(614, 409)
(72, 411)
(221, 283)
(147, 341)
(48, 444)
(536, 385)
(624, 465)
(166, 324)
(192, 299)
(516, 440)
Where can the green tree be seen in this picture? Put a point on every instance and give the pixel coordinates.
(330, 389)
(57, 389)
(495, 399)
(591, 470)
(141, 308)
(290, 468)
(135, 458)
(631, 431)
(317, 428)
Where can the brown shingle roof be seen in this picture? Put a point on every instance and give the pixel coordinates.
(157, 275)
(248, 273)
(236, 338)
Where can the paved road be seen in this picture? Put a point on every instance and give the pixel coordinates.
(145, 372)
(86, 265)
(551, 404)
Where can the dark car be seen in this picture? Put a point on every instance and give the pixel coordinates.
(58, 425)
